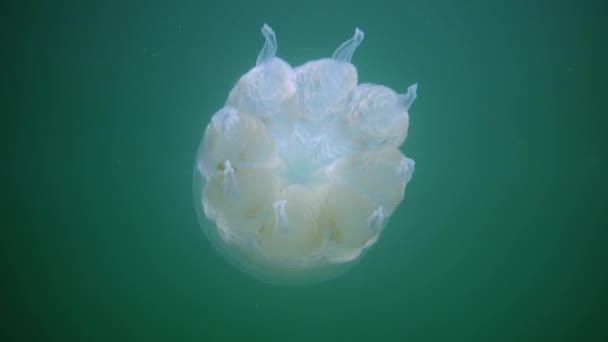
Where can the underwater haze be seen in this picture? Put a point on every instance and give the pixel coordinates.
(501, 235)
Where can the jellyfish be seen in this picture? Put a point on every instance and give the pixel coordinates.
(298, 173)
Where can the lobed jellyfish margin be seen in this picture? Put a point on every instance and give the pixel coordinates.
(297, 174)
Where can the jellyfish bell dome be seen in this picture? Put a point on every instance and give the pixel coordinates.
(297, 175)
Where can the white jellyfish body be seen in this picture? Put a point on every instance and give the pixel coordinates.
(300, 170)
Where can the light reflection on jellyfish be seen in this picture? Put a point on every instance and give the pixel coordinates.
(300, 169)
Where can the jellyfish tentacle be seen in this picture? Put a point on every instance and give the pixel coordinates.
(406, 170)
(375, 222)
(269, 49)
(345, 51)
(409, 97)
(229, 182)
(280, 215)
(376, 219)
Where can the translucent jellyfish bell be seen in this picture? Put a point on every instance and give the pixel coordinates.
(298, 173)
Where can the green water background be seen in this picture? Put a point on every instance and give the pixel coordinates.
(501, 237)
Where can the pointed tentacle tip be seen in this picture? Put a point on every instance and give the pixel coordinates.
(413, 87)
(270, 45)
(359, 35)
(412, 91)
(268, 32)
(345, 51)
(266, 28)
(410, 95)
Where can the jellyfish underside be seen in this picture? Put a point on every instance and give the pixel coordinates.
(298, 173)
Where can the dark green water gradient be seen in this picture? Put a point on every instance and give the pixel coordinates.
(501, 237)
